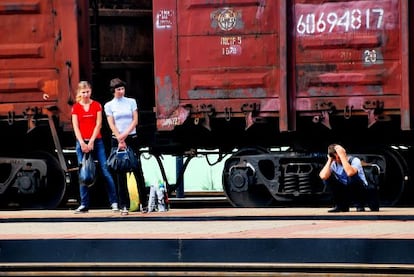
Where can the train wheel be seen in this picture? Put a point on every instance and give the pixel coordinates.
(239, 188)
(50, 193)
(394, 187)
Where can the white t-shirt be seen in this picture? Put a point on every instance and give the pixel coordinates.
(122, 110)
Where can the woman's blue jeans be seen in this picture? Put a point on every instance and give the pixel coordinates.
(99, 154)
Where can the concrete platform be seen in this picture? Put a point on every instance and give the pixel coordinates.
(275, 235)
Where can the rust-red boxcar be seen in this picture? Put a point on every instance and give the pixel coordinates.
(304, 73)
(349, 57)
(230, 59)
(226, 58)
(39, 60)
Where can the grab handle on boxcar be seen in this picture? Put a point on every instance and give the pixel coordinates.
(10, 118)
(227, 112)
(348, 111)
(69, 71)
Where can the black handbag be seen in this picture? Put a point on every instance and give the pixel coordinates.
(122, 160)
(87, 170)
(373, 175)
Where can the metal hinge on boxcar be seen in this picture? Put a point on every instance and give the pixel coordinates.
(251, 111)
(204, 111)
(375, 111)
(325, 110)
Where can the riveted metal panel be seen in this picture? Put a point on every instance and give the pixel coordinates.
(349, 58)
(221, 57)
(38, 56)
(165, 63)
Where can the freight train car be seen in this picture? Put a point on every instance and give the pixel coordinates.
(253, 75)
(269, 84)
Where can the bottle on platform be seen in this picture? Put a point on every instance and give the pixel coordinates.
(152, 199)
(162, 207)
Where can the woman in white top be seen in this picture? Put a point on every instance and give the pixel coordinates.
(122, 115)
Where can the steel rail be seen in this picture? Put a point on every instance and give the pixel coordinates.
(205, 269)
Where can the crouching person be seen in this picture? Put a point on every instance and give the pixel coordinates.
(345, 177)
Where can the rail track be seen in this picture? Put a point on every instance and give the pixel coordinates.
(204, 269)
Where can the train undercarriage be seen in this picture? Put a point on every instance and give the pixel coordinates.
(255, 178)
(38, 167)
(277, 175)
(252, 176)
(258, 177)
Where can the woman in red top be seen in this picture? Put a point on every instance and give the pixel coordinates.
(87, 123)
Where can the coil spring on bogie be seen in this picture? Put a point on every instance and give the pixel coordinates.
(290, 183)
(305, 185)
(296, 180)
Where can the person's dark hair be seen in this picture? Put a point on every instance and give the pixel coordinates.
(331, 150)
(116, 83)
